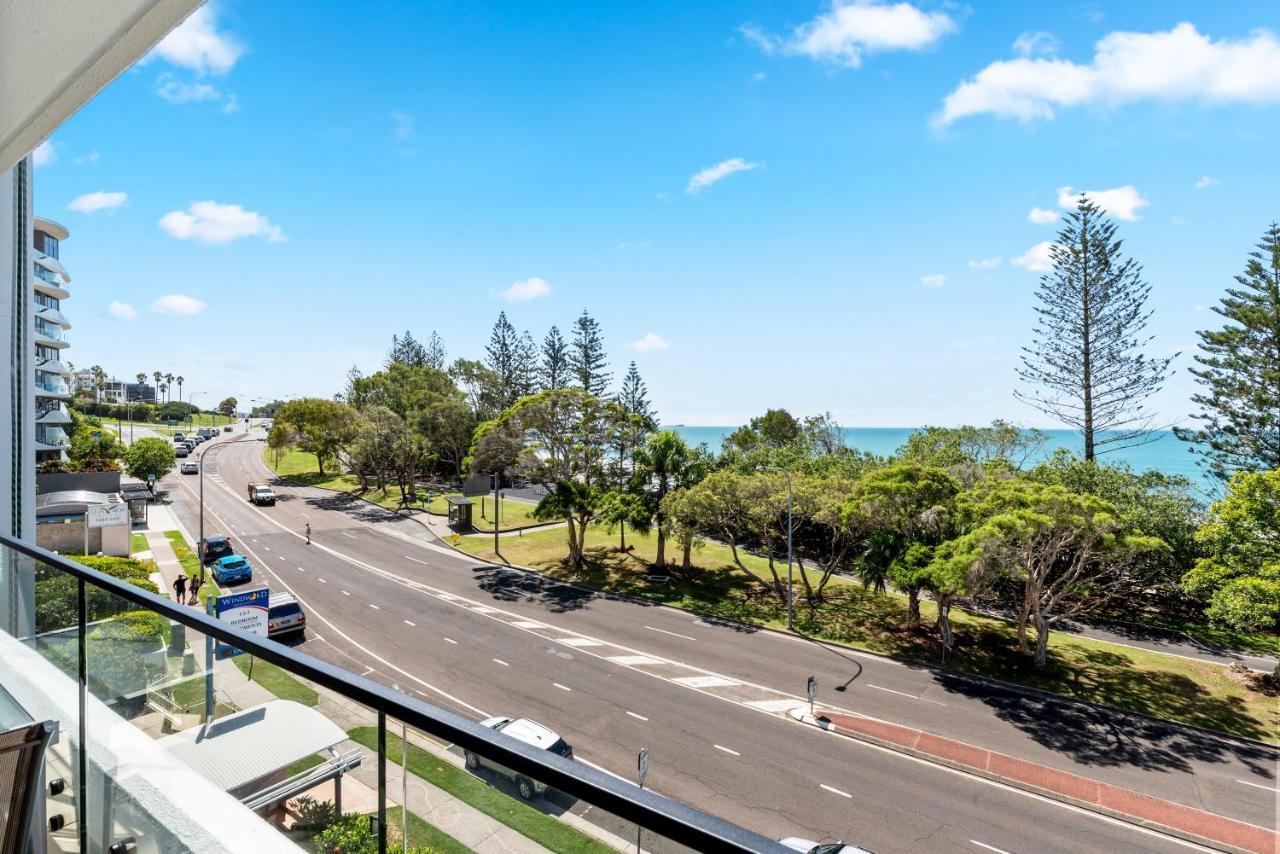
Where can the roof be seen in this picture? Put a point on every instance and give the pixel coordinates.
(458, 500)
(50, 227)
(249, 745)
(77, 499)
(531, 732)
(230, 559)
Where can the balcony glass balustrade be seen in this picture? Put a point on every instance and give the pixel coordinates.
(164, 745)
(48, 434)
(50, 384)
(50, 331)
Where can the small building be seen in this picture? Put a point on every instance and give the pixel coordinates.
(61, 524)
(459, 512)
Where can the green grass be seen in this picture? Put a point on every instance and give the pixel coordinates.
(514, 514)
(515, 814)
(138, 543)
(422, 834)
(1220, 637)
(306, 763)
(277, 681)
(1166, 686)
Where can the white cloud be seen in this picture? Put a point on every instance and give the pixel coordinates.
(1037, 259)
(232, 104)
(534, 288)
(90, 159)
(122, 310)
(651, 341)
(180, 304)
(213, 222)
(99, 201)
(1178, 65)
(1120, 202)
(1205, 182)
(44, 155)
(177, 91)
(1042, 216)
(1036, 44)
(934, 280)
(985, 263)
(855, 27)
(720, 171)
(198, 45)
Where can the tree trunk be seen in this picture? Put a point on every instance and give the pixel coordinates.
(1042, 640)
(1022, 625)
(733, 548)
(661, 559)
(573, 541)
(1086, 320)
(913, 608)
(320, 463)
(687, 564)
(944, 623)
(582, 541)
(777, 582)
(804, 579)
(622, 537)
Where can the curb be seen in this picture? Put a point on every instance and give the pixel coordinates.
(989, 681)
(800, 715)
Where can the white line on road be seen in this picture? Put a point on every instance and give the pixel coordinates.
(500, 661)
(988, 847)
(1258, 785)
(836, 791)
(300, 569)
(451, 640)
(409, 623)
(637, 717)
(265, 548)
(673, 634)
(255, 541)
(562, 687)
(322, 581)
(726, 750)
(905, 694)
(367, 672)
(345, 593)
(374, 607)
(348, 534)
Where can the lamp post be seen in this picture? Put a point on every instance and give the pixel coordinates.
(200, 477)
(791, 623)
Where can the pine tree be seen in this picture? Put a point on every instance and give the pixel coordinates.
(587, 362)
(502, 355)
(526, 367)
(553, 373)
(1085, 365)
(634, 398)
(436, 355)
(406, 351)
(1240, 405)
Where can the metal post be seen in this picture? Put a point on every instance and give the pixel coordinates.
(208, 668)
(642, 771)
(495, 514)
(382, 782)
(200, 476)
(82, 753)
(791, 592)
(404, 786)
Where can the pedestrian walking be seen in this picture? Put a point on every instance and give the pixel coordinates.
(180, 589)
(308, 533)
(194, 596)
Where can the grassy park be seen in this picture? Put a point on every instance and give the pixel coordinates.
(1166, 686)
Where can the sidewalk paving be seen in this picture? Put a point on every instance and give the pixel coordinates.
(1134, 807)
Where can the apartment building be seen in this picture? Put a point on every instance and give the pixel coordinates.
(50, 283)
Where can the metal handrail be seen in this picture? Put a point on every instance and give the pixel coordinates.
(672, 819)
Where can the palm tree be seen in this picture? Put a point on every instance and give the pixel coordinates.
(141, 377)
(179, 381)
(163, 389)
(168, 383)
(157, 376)
(660, 463)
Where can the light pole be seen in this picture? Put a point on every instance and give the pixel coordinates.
(791, 621)
(200, 477)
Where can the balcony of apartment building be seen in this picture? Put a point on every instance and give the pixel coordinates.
(152, 739)
(51, 380)
(50, 334)
(51, 437)
(50, 278)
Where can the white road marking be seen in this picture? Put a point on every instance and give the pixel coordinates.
(705, 681)
(409, 623)
(633, 660)
(988, 847)
(374, 607)
(579, 642)
(300, 569)
(773, 706)
(348, 534)
(367, 672)
(255, 541)
(891, 691)
(673, 634)
(265, 548)
(484, 609)
(836, 791)
(322, 581)
(726, 750)
(500, 661)
(451, 640)
(562, 687)
(637, 717)
(345, 593)
(528, 624)
(1258, 785)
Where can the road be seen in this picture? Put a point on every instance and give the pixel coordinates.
(613, 676)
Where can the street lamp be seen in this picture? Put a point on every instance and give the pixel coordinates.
(200, 477)
(791, 623)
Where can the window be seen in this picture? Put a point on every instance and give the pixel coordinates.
(48, 276)
(47, 244)
(46, 301)
(43, 352)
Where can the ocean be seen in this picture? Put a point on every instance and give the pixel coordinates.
(1167, 453)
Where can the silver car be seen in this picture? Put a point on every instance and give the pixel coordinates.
(531, 733)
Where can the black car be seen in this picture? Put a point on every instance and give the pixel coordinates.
(216, 546)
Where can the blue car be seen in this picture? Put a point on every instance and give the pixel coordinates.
(232, 569)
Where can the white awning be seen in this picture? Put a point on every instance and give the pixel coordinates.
(53, 316)
(238, 749)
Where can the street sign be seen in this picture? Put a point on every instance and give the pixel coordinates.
(812, 689)
(642, 765)
(107, 515)
(246, 611)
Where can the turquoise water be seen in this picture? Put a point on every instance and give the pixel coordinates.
(1167, 453)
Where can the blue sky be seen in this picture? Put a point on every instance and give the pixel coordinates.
(293, 185)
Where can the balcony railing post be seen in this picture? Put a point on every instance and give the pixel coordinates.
(82, 754)
(382, 782)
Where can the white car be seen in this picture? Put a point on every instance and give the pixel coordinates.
(190, 468)
(530, 732)
(796, 843)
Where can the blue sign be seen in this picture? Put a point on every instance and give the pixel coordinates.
(246, 611)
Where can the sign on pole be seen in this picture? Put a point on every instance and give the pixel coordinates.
(107, 515)
(642, 765)
(246, 611)
(812, 689)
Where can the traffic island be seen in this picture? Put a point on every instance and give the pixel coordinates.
(1178, 820)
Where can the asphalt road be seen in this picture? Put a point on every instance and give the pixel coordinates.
(613, 676)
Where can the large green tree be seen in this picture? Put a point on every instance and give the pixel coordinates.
(663, 463)
(149, 457)
(554, 370)
(1240, 577)
(972, 447)
(588, 364)
(1085, 365)
(1240, 372)
(316, 425)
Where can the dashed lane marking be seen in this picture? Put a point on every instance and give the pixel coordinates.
(529, 624)
(834, 790)
(451, 640)
(579, 642)
(409, 623)
(726, 750)
(374, 607)
(705, 681)
(637, 717)
(322, 581)
(562, 687)
(633, 660)
(988, 847)
(500, 661)
(1258, 785)
(673, 634)
(345, 593)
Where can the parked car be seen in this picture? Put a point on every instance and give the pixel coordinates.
(530, 732)
(261, 493)
(226, 429)
(179, 437)
(190, 468)
(285, 615)
(232, 569)
(198, 439)
(795, 843)
(181, 451)
(216, 546)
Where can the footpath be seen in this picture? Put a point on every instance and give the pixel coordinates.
(1178, 820)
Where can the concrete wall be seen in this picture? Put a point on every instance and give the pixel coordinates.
(68, 538)
(93, 481)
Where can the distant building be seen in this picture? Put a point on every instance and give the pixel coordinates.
(140, 393)
(50, 283)
(112, 391)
